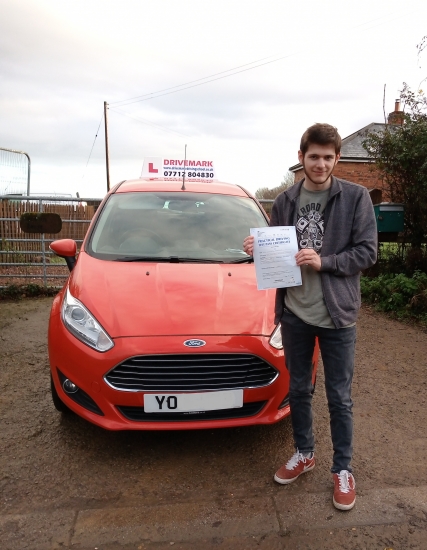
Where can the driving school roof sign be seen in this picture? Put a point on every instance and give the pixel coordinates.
(173, 169)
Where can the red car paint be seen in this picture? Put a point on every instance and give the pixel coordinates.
(149, 308)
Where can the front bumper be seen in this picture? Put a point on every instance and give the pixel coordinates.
(124, 410)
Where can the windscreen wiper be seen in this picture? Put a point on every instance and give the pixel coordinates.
(169, 259)
(247, 260)
(142, 259)
(201, 260)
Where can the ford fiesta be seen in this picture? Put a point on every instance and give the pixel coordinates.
(160, 325)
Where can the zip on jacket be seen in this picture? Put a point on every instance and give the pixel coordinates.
(350, 244)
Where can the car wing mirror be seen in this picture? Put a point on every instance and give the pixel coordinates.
(67, 249)
(40, 222)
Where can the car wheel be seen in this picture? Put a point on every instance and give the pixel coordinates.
(59, 405)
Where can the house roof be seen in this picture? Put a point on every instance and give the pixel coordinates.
(351, 147)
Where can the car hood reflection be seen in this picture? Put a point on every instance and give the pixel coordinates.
(158, 299)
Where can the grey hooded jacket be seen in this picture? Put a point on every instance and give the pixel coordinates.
(349, 245)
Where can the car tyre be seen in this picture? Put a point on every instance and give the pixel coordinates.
(59, 404)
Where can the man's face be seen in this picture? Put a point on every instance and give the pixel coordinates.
(319, 162)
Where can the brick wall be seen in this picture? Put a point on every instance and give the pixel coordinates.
(362, 173)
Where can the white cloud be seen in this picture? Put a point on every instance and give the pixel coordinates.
(60, 60)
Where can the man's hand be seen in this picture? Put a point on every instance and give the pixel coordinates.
(248, 245)
(308, 256)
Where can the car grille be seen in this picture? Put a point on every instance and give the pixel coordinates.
(191, 372)
(139, 415)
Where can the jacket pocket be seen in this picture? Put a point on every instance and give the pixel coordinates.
(352, 285)
(346, 292)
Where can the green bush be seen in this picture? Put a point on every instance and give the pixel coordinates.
(399, 294)
(16, 292)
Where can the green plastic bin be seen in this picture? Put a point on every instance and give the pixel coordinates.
(390, 217)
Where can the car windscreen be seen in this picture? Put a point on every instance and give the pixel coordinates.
(174, 226)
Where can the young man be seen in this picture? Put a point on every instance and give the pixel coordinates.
(337, 238)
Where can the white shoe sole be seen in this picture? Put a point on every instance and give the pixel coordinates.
(343, 506)
(287, 481)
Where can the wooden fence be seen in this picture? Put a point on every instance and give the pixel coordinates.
(11, 211)
(27, 255)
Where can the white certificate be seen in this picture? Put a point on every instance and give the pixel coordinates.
(274, 257)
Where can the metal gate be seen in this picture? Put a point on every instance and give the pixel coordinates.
(26, 258)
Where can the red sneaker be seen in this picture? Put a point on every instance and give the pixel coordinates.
(344, 490)
(298, 464)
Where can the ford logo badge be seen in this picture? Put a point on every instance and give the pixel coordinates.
(194, 343)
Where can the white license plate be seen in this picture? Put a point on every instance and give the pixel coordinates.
(192, 402)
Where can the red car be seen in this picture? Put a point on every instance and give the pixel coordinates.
(160, 325)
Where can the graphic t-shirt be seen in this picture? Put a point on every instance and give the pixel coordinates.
(306, 301)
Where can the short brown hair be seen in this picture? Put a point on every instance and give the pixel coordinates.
(320, 134)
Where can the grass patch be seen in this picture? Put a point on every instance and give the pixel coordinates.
(16, 292)
(54, 259)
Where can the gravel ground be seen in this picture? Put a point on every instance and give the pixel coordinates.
(67, 484)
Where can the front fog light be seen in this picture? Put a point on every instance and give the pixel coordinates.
(83, 325)
(276, 338)
(69, 387)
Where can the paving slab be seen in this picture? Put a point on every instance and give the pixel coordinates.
(177, 522)
(374, 507)
(277, 522)
(37, 530)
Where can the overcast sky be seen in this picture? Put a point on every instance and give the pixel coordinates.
(317, 62)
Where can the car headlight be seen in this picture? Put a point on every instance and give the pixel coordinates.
(276, 338)
(83, 325)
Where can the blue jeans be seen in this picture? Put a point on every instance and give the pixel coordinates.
(337, 349)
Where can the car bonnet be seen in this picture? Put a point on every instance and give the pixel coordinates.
(154, 299)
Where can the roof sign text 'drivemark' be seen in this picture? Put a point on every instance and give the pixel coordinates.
(173, 169)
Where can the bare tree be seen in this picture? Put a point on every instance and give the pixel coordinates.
(266, 193)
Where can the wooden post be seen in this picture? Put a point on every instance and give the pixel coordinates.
(107, 154)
